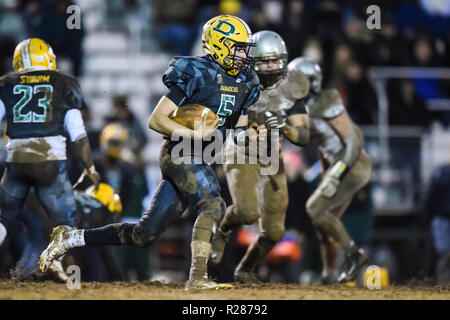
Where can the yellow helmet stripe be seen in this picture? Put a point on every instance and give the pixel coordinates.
(25, 51)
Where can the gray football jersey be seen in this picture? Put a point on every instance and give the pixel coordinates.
(321, 108)
(280, 98)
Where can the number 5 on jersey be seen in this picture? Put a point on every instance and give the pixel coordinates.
(223, 110)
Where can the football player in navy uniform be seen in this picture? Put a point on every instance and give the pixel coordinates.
(223, 81)
(39, 105)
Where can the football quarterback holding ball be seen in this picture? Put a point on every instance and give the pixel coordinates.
(223, 81)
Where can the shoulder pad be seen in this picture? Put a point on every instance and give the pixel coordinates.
(295, 86)
(179, 70)
(331, 102)
(179, 62)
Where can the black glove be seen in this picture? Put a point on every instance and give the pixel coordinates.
(273, 121)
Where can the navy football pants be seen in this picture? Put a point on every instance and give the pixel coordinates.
(192, 185)
(52, 187)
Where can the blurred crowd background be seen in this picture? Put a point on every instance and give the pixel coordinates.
(394, 82)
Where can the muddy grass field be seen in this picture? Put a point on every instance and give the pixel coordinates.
(159, 291)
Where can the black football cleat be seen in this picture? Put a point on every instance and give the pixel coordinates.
(355, 259)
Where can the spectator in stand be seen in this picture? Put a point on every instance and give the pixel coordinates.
(389, 48)
(122, 114)
(424, 55)
(48, 20)
(406, 107)
(176, 25)
(296, 27)
(356, 37)
(341, 58)
(359, 96)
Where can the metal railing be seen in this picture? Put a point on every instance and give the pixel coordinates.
(383, 132)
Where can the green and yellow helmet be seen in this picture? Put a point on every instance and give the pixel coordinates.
(34, 53)
(107, 196)
(220, 35)
(113, 138)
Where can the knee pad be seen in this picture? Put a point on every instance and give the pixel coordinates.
(265, 242)
(312, 209)
(318, 217)
(277, 205)
(213, 207)
(275, 234)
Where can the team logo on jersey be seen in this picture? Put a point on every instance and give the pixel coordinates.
(229, 88)
(225, 28)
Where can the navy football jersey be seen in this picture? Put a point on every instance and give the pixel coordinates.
(199, 80)
(37, 101)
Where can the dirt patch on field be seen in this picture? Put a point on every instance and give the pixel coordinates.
(159, 291)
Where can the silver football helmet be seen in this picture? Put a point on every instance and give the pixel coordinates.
(311, 69)
(270, 47)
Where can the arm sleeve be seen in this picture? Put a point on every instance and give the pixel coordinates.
(73, 122)
(179, 80)
(297, 108)
(73, 97)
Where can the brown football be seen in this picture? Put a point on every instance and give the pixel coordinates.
(193, 114)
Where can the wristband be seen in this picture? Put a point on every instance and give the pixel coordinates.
(338, 170)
